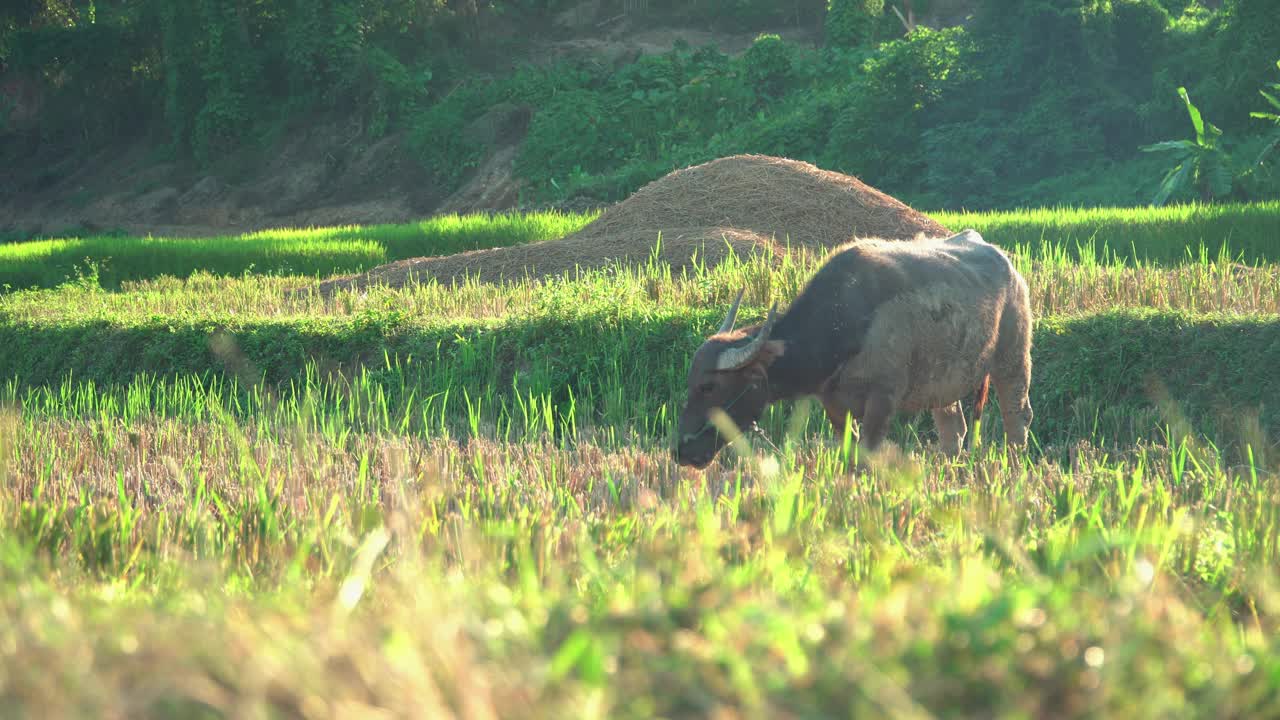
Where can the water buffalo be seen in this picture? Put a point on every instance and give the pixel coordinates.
(882, 327)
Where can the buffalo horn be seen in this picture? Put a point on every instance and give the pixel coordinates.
(736, 358)
(729, 319)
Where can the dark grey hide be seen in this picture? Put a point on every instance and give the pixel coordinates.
(882, 327)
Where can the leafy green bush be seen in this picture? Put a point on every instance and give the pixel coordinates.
(97, 80)
(1202, 163)
(567, 135)
(768, 64)
(955, 117)
(796, 128)
(438, 137)
(1139, 39)
(641, 117)
(1241, 42)
(1273, 117)
(603, 137)
(737, 15)
(852, 22)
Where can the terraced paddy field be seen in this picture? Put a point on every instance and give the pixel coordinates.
(225, 494)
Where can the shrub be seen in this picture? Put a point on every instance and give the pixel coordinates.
(768, 65)
(852, 22)
(438, 139)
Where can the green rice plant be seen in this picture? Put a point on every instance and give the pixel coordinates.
(606, 352)
(610, 377)
(1062, 282)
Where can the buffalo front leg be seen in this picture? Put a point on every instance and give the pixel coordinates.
(875, 419)
(951, 427)
(840, 414)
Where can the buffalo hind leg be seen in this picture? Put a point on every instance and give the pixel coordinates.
(1013, 391)
(951, 427)
(1011, 375)
(1015, 410)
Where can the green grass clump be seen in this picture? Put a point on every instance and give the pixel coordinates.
(1164, 235)
(1059, 286)
(110, 261)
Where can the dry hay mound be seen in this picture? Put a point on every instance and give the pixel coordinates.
(769, 196)
(538, 260)
(743, 202)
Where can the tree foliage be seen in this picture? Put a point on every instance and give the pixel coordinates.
(853, 22)
(1272, 98)
(1030, 102)
(214, 70)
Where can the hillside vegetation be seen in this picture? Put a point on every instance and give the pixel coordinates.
(1022, 103)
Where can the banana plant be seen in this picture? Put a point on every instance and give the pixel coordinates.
(1202, 164)
(1272, 116)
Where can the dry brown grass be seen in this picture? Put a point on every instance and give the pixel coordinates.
(677, 247)
(1067, 289)
(157, 462)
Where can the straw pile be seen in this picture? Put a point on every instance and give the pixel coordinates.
(771, 196)
(742, 203)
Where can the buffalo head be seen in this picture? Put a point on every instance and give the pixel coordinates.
(730, 373)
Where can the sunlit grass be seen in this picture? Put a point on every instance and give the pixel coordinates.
(434, 358)
(1170, 234)
(113, 260)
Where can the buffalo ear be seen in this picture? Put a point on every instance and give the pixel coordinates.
(771, 351)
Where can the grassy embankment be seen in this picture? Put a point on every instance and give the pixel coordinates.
(483, 516)
(1154, 235)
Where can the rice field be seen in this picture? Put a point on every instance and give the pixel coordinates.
(222, 495)
(111, 260)
(1166, 236)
